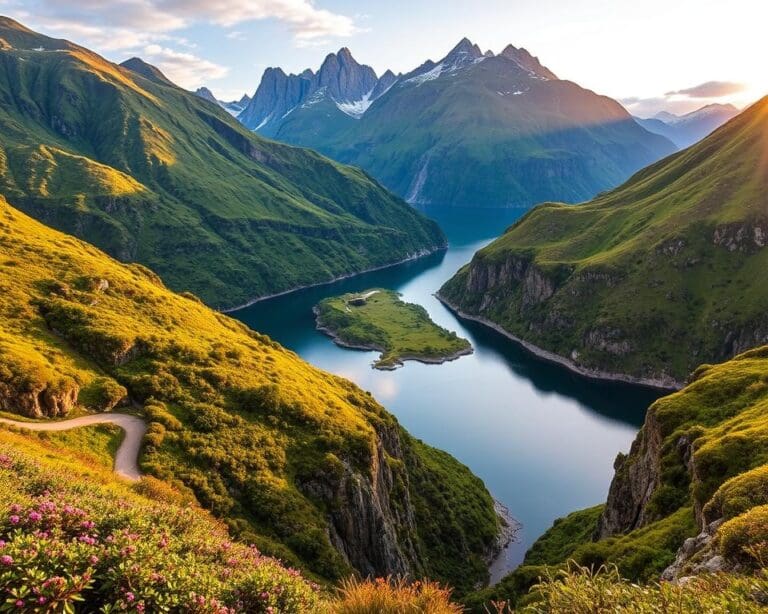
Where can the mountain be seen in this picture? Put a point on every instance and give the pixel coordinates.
(202, 92)
(301, 463)
(235, 107)
(474, 129)
(152, 173)
(685, 130)
(349, 86)
(646, 281)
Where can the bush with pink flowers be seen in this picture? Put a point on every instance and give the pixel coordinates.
(73, 542)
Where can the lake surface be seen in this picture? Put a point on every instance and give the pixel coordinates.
(541, 438)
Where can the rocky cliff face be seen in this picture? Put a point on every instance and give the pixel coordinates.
(637, 477)
(340, 78)
(29, 394)
(374, 532)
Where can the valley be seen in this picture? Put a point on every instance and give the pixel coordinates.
(522, 425)
(207, 305)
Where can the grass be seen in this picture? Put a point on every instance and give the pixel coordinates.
(151, 173)
(650, 279)
(260, 438)
(95, 444)
(378, 319)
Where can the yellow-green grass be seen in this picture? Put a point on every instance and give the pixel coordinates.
(379, 319)
(238, 422)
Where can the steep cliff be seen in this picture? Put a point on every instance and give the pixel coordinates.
(647, 281)
(302, 463)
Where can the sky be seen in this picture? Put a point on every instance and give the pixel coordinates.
(651, 55)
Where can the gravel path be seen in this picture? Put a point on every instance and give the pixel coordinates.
(127, 456)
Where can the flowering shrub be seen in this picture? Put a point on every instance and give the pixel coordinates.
(69, 544)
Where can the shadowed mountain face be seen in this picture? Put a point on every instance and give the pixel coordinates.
(685, 130)
(649, 280)
(149, 172)
(474, 129)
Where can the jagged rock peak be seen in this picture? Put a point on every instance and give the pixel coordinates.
(527, 61)
(206, 94)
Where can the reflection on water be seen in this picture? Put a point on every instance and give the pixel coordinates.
(541, 438)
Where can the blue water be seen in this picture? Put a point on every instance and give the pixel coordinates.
(541, 438)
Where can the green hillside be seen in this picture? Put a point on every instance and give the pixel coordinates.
(297, 461)
(646, 281)
(698, 467)
(154, 174)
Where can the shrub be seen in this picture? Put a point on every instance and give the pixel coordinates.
(69, 542)
(393, 596)
(738, 495)
(107, 393)
(744, 539)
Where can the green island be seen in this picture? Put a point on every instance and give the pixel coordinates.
(380, 320)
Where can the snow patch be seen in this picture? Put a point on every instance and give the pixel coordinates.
(356, 108)
(263, 122)
(318, 96)
(430, 75)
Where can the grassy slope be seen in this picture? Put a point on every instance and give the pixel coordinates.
(152, 173)
(723, 414)
(400, 330)
(114, 546)
(238, 421)
(557, 141)
(652, 278)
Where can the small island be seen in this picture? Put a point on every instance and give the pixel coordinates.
(379, 320)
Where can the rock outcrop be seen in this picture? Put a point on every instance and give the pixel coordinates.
(636, 477)
(374, 533)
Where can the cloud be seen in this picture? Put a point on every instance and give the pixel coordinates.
(710, 89)
(133, 20)
(648, 107)
(184, 69)
(235, 35)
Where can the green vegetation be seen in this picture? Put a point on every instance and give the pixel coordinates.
(604, 591)
(94, 444)
(271, 445)
(649, 280)
(152, 173)
(379, 320)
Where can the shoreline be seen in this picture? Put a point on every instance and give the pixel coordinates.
(427, 360)
(411, 258)
(666, 385)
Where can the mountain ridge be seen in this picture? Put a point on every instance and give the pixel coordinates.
(472, 129)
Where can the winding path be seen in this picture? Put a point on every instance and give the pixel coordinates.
(127, 456)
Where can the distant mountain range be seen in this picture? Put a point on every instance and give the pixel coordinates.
(473, 129)
(685, 130)
(122, 157)
(234, 107)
